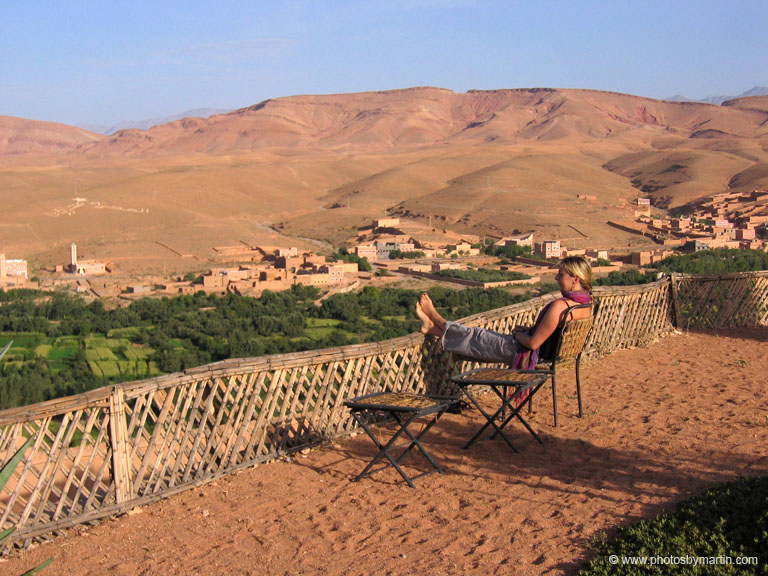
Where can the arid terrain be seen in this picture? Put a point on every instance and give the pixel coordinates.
(311, 170)
(649, 438)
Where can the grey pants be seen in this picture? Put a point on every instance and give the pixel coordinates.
(479, 343)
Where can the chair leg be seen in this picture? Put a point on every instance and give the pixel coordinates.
(578, 386)
(554, 398)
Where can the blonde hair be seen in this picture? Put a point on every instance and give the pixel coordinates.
(581, 268)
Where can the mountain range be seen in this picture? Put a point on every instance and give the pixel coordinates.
(149, 122)
(396, 118)
(306, 169)
(755, 91)
(206, 112)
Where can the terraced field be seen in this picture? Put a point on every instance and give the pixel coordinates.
(111, 355)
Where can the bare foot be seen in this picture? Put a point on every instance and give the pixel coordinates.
(427, 326)
(431, 321)
(429, 308)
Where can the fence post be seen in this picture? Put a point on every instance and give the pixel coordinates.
(674, 279)
(118, 438)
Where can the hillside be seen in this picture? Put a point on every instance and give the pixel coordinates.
(306, 169)
(428, 116)
(32, 137)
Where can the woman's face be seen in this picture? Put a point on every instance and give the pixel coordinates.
(565, 280)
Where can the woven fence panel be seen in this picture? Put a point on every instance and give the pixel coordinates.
(185, 432)
(66, 473)
(631, 316)
(734, 300)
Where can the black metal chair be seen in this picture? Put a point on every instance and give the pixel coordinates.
(567, 349)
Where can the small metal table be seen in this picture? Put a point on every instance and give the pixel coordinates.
(405, 408)
(500, 380)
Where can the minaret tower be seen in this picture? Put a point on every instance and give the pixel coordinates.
(73, 257)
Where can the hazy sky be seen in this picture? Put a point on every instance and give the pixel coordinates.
(87, 62)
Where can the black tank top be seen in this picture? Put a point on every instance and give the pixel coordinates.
(548, 349)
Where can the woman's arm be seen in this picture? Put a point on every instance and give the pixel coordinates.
(546, 327)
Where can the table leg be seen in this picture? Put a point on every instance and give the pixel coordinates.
(415, 441)
(515, 412)
(384, 449)
(489, 420)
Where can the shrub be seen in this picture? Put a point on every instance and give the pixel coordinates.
(729, 520)
(484, 275)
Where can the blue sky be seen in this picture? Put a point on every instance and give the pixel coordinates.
(85, 62)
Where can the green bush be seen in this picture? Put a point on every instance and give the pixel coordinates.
(720, 261)
(131, 332)
(729, 520)
(626, 278)
(484, 275)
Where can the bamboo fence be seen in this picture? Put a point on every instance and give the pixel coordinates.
(115, 448)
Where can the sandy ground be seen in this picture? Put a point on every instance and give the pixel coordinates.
(661, 423)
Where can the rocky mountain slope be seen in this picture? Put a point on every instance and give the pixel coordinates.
(409, 117)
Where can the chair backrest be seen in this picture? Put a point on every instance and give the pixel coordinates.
(572, 337)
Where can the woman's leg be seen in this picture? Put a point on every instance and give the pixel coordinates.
(477, 343)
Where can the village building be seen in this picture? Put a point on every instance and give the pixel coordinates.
(440, 266)
(349, 267)
(384, 248)
(305, 261)
(177, 287)
(386, 222)
(431, 252)
(90, 268)
(680, 223)
(520, 240)
(287, 252)
(462, 248)
(597, 254)
(220, 278)
(548, 249)
(327, 275)
(13, 267)
(646, 257)
(744, 233)
(753, 245)
(415, 267)
(14, 273)
(368, 251)
(84, 267)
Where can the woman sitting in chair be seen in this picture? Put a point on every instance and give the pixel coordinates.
(575, 279)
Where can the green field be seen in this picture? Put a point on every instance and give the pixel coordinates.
(109, 357)
(43, 350)
(130, 333)
(319, 328)
(22, 339)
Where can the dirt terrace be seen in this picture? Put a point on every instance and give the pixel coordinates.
(661, 423)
